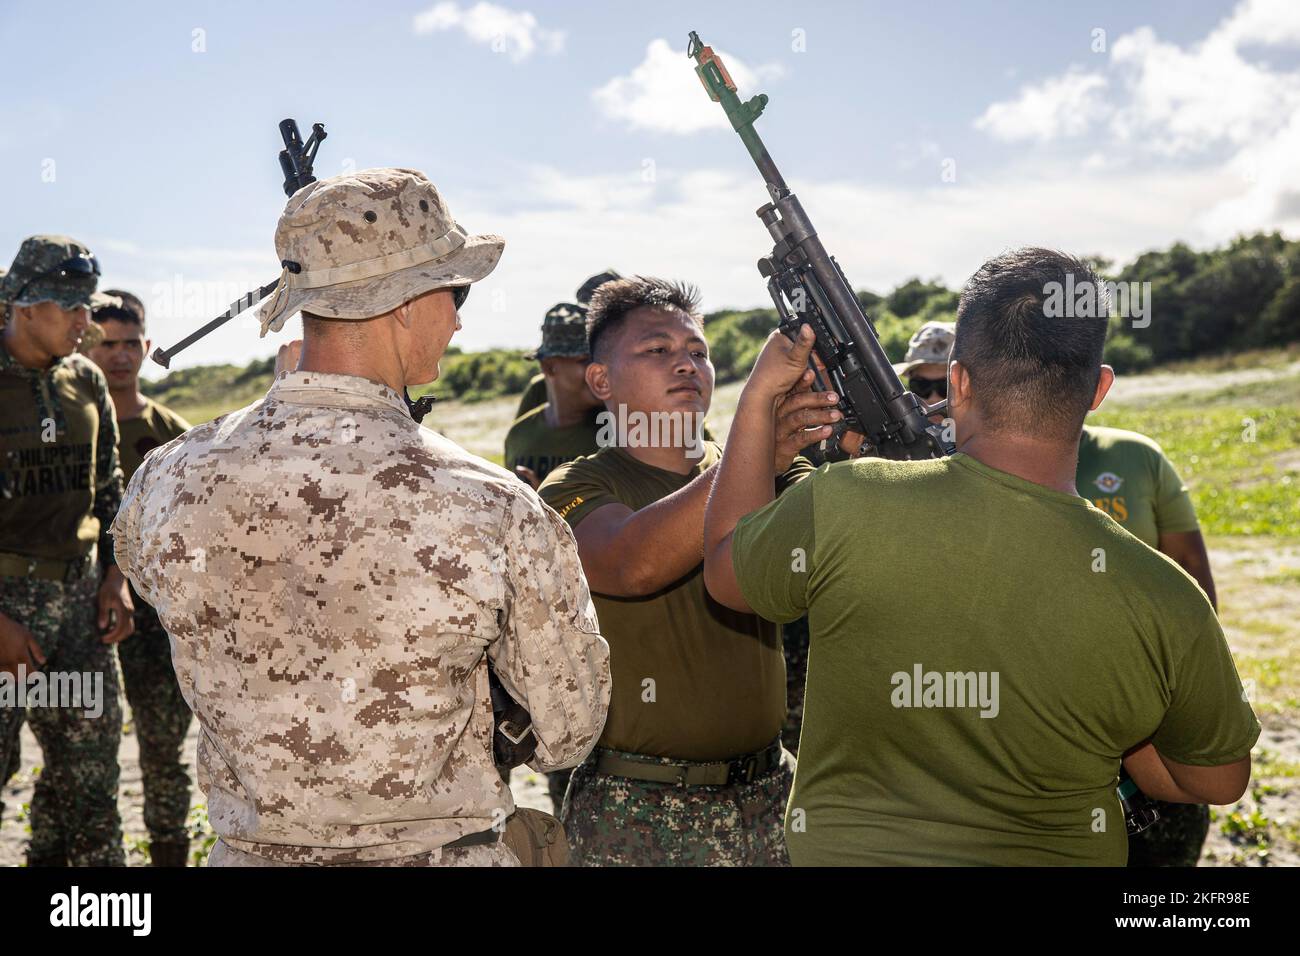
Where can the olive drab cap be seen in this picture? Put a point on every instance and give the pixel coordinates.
(359, 245)
(564, 332)
(931, 343)
(51, 269)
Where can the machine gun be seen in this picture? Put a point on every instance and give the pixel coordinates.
(809, 288)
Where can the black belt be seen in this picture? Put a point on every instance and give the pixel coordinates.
(724, 773)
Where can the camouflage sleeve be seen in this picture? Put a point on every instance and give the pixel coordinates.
(550, 655)
(108, 472)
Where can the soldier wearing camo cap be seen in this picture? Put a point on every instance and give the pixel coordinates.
(335, 578)
(535, 393)
(159, 714)
(63, 601)
(924, 369)
(563, 427)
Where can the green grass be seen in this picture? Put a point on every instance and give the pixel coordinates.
(1240, 486)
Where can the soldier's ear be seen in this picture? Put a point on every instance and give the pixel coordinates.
(403, 315)
(597, 375)
(958, 386)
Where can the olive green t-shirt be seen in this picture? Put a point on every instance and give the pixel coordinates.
(156, 425)
(692, 679)
(536, 445)
(1128, 476)
(60, 482)
(983, 650)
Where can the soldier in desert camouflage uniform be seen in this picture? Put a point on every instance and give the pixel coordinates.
(335, 579)
(59, 486)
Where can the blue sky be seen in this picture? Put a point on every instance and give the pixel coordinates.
(921, 138)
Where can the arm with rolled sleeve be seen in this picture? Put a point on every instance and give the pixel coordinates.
(550, 656)
(1201, 751)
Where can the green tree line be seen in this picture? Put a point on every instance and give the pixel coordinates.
(1241, 296)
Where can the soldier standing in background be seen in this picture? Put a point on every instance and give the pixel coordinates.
(160, 715)
(60, 485)
(535, 393)
(1128, 476)
(564, 427)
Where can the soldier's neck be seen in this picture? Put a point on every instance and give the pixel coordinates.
(348, 360)
(563, 410)
(1045, 462)
(128, 403)
(24, 351)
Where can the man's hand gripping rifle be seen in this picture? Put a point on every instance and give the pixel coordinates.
(808, 288)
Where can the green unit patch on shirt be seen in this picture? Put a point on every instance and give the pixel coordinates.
(983, 650)
(692, 679)
(1128, 476)
(534, 444)
(155, 426)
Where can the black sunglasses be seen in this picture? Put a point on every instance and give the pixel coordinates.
(83, 265)
(459, 294)
(924, 386)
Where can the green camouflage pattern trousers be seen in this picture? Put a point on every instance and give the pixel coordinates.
(74, 815)
(1176, 838)
(617, 821)
(161, 719)
(794, 640)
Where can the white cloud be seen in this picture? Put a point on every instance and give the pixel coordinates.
(1059, 106)
(513, 32)
(699, 224)
(1213, 103)
(663, 94)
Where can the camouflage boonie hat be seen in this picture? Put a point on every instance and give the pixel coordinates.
(359, 245)
(931, 343)
(51, 269)
(564, 332)
(588, 288)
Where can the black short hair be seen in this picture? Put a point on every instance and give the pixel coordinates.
(612, 301)
(132, 309)
(1033, 360)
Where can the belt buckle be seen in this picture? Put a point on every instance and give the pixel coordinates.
(748, 769)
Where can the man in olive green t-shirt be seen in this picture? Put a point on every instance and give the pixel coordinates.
(690, 768)
(160, 714)
(1128, 476)
(971, 703)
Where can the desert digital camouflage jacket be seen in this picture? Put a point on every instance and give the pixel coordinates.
(334, 579)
